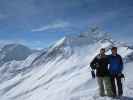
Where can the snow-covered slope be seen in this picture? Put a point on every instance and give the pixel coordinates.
(12, 68)
(62, 72)
(9, 52)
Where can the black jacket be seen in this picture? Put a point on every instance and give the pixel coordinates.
(100, 64)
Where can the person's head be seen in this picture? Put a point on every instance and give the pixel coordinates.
(114, 50)
(102, 51)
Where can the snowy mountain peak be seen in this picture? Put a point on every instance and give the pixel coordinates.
(11, 52)
(92, 36)
(59, 43)
(68, 45)
(82, 39)
(96, 34)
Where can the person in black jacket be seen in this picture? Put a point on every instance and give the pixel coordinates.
(100, 64)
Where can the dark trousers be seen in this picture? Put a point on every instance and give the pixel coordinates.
(116, 83)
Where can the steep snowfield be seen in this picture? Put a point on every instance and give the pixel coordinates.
(61, 73)
(13, 68)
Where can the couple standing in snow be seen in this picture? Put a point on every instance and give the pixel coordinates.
(108, 72)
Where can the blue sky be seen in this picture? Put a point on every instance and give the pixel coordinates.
(39, 23)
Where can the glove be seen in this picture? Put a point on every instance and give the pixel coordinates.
(121, 75)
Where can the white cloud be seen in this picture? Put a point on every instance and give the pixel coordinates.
(55, 25)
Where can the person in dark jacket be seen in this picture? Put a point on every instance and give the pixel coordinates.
(100, 64)
(115, 69)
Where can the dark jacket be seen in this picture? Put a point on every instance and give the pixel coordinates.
(100, 64)
(115, 64)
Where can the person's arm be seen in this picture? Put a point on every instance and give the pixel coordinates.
(93, 67)
(121, 63)
(93, 63)
(108, 59)
(121, 75)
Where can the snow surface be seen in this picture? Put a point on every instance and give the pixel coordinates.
(61, 73)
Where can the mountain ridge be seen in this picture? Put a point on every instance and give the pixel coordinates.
(61, 72)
